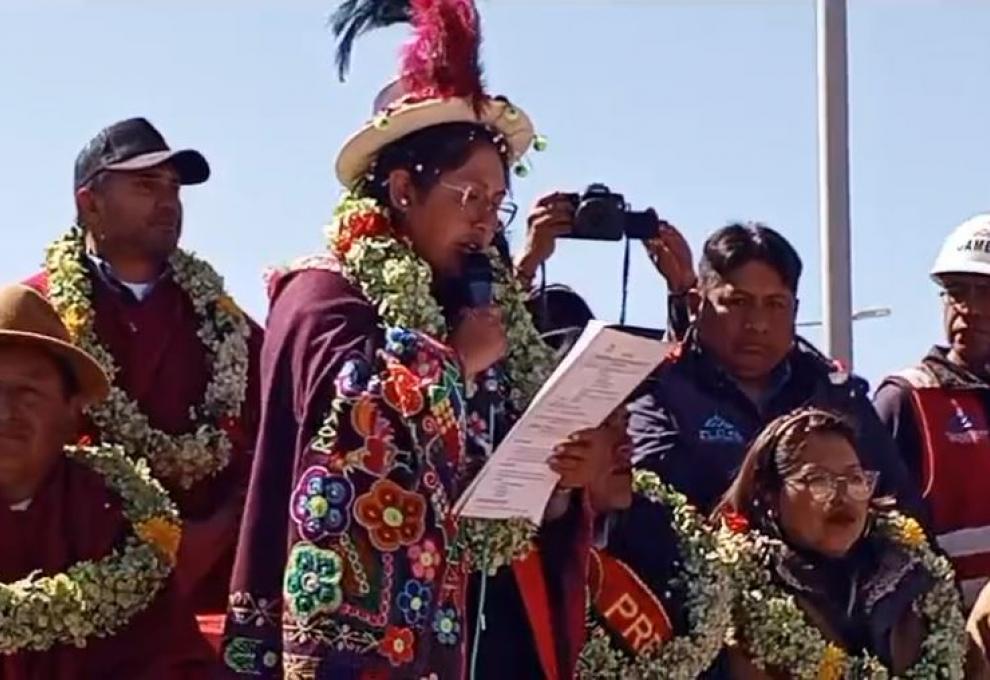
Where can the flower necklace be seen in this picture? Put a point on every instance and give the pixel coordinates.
(184, 459)
(399, 283)
(96, 599)
(706, 577)
(777, 632)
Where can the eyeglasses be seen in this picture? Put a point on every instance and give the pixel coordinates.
(477, 206)
(824, 486)
(967, 295)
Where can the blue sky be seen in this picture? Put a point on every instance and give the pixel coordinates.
(705, 110)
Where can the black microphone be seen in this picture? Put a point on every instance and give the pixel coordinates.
(477, 279)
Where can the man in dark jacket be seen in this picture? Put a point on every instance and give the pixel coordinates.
(740, 366)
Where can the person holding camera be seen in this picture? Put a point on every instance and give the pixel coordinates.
(598, 214)
(741, 365)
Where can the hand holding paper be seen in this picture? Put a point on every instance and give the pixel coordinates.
(600, 372)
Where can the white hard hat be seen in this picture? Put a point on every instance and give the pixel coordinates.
(967, 250)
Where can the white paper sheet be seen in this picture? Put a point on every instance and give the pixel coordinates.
(597, 375)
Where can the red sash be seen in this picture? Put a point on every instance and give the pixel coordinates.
(626, 606)
(533, 588)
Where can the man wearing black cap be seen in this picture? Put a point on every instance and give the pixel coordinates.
(182, 356)
(127, 192)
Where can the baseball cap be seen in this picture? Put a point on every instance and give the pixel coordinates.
(135, 144)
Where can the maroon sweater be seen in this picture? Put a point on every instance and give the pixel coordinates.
(74, 517)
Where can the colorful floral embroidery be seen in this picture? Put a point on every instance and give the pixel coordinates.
(392, 516)
(414, 602)
(378, 453)
(353, 378)
(401, 390)
(446, 626)
(321, 504)
(312, 581)
(300, 667)
(424, 558)
(247, 610)
(426, 366)
(397, 646)
(249, 656)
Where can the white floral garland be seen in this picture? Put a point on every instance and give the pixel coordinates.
(399, 282)
(96, 599)
(390, 275)
(776, 632)
(184, 459)
(707, 578)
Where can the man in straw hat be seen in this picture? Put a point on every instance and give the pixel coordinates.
(87, 538)
(182, 356)
(939, 414)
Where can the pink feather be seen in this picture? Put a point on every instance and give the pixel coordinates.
(442, 58)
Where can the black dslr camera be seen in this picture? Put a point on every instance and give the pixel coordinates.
(600, 215)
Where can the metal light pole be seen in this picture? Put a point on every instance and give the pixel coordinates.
(833, 179)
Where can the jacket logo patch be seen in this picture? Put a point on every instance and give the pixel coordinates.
(718, 430)
(962, 429)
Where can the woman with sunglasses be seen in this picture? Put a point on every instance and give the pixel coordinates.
(831, 583)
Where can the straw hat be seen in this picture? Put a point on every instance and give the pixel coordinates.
(440, 81)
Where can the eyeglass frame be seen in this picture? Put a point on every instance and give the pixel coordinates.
(802, 480)
(974, 295)
(504, 204)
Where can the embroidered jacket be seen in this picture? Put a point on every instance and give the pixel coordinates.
(344, 567)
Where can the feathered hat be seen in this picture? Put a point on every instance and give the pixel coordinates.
(440, 80)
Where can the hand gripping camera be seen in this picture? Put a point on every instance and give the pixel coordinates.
(601, 215)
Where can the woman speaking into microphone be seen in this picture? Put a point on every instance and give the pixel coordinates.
(379, 405)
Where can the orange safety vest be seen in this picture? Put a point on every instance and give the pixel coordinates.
(955, 439)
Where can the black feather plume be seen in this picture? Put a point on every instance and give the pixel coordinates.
(355, 17)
